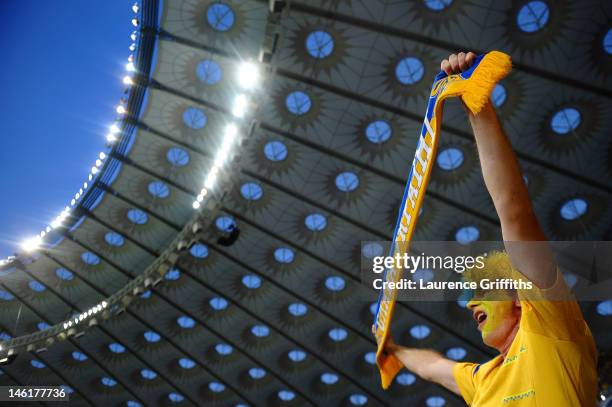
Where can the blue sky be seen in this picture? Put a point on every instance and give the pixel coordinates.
(61, 70)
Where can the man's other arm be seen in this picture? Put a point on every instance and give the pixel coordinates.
(427, 364)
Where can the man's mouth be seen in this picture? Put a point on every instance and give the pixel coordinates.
(480, 317)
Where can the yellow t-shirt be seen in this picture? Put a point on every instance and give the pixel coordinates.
(551, 362)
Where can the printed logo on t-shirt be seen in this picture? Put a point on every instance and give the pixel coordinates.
(518, 396)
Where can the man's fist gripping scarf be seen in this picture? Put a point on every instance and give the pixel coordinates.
(474, 87)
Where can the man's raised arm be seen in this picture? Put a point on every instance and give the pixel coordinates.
(507, 188)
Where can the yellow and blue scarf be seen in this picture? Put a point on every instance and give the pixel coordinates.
(474, 87)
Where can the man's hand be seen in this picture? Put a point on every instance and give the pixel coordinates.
(427, 364)
(457, 63)
(390, 345)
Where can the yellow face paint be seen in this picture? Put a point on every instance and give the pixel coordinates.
(495, 318)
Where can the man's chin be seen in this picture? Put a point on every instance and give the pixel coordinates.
(488, 338)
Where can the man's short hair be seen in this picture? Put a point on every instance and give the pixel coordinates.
(497, 265)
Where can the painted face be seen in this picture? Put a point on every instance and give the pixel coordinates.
(495, 319)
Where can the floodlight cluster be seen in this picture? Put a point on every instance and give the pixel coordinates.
(84, 315)
(248, 79)
(33, 243)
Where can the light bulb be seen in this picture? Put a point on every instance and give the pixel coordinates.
(248, 75)
(240, 106)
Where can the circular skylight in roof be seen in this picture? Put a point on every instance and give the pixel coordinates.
(114, 239)
(36, 286)
(438, 5)
(257, 373)
(358, 399)
(319, 44)
(146, 295)
(370, 358)
(450, 158)
(409, 70)
(286, 395)
(79, 356)
(42, 326)
(378, 131)
(37, 364)
(199, 251)
(108, 382)
(194, 118)
(218, 303)
(209, 71)
(185, 322)
(316, 222)
(423, 274)
(435, 401)
(223, 349)
(4, 336)
(604, 308)
(64, 274)
(220, 16)
(137, 216)
(462, 303)
(175, 397)
(335, 283)
(456, 353)
(297, 309)
(148, 374)
(296, 355)
(371, 250)
(275, 150)
(172, 275)
(467, 234)
(284, 255)
(132, 403)
(90, 258)
(6, 296)
(573, 209)
(338, 334)
(373, 308)
(225, 223)
(347, 181)
(607, 42)
(260, 331)
(298, 103)
(177, 157)
(329, 378)
(420, 331)
(152, 337)
(570, 279)
(159, 189)
(186, 363)
(251, 281)
(533, 16)
(251, 191)
(565, 120)
(116, 347)
(498, 96)
(405, 379)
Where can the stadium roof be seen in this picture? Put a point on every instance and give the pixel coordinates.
(319, 165)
